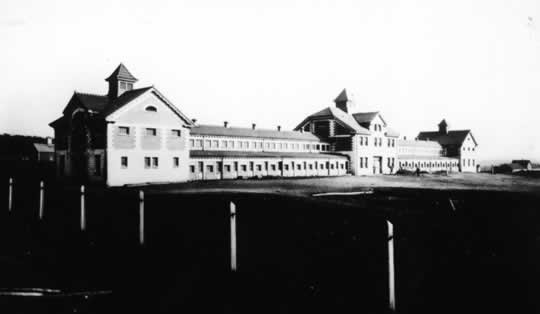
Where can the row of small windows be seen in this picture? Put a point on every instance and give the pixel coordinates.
(468, 149)
(236, 166)
(149, 162)
(125, 130)
(468, 162)
(429, 164)
(228, 144)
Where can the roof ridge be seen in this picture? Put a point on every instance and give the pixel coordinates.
(244, 127)
(88, 94)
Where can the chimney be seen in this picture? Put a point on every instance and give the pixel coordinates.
(279, 127)
(253, 125)
(194, 121)
(405, 138)
(225, 124)
(302, 130)
(49, 140)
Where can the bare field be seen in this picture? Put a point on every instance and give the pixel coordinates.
(309, 186)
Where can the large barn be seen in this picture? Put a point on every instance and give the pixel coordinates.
(137, 136)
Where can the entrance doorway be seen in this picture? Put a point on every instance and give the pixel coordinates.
(377, 164)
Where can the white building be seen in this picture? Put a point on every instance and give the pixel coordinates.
(137, 136)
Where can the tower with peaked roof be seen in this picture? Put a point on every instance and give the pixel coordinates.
(343, 101)
(443, 127)
(120, 81)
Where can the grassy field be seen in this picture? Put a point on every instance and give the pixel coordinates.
(297, 253)
(309, 186)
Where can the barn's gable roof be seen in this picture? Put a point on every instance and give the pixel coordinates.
(345, 119)
(367, 117)
(455, 137)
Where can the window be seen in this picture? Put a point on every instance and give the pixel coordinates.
(361, 141)
(123, 85)
(154, 162)
(192, 143)
(231, 144)
(207, 143)
(310, 167)
(273, 145)
(228, 168)
(244, 168)
(286, 167)
(251, 165)
(192, 169)
(97, 165)
(224, 144)
(176, 133)
(210, 168)
(273, 167)
(123, 130)
(129, 86)
(215, 144)
(147, 162)
(240, 144)
(151, 132)
(176, 162)
(246, 144)
(367, 142)
(198, 143)
(150, 109)
(259, 167)
(123, 162)
(299, 166)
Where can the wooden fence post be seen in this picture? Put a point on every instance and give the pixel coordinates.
(233, 236)
(41, 199)
(141, 217)
(391, 282)
(10, 200)
(83, 211)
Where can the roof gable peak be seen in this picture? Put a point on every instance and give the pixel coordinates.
(122, 73)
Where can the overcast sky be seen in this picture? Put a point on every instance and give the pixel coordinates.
(474, 63)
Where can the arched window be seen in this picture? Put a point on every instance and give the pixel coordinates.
(150, 109)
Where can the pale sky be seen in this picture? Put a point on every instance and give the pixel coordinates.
(474, 63)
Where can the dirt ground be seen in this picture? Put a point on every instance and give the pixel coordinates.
(310, 186)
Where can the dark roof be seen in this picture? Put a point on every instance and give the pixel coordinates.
(247, 154)
(363, 117)
(124, 99)
(215, 130)
(341, 116)
(91, 101)
(452, 138)
(342, 97)
(122, 73)
(523, 162)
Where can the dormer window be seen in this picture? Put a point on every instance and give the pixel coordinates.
(150, 109)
